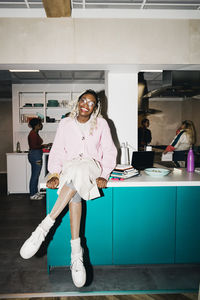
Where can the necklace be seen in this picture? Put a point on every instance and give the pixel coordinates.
(83, 127)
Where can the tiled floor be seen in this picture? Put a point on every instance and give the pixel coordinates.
(19, 216)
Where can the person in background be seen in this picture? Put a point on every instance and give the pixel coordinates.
(35, 156)
(185, 138)
(81, 159)
(144, 134)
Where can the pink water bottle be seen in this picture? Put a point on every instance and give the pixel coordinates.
(190, 161)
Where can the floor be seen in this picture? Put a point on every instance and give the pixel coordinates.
(19, 216)
(185, 296)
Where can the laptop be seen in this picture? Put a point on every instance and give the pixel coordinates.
(142, 159)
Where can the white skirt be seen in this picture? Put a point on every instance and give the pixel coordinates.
(82, 172)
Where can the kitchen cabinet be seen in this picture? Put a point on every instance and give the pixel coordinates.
(133, 225)
(143, 225)
(97, 231)
(19, 172)
(188, 225)
(59, 251)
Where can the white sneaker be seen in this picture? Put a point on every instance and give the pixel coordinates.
(33, 243)
(37, 196)
(78, 269)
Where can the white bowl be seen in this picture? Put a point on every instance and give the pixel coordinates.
(156, 172)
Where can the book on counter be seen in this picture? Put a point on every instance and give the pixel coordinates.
(124, 171)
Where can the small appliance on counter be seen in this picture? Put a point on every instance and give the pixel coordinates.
(142, 159)
(124, 154)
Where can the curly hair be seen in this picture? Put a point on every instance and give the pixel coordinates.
(96, 112)
(34, 122)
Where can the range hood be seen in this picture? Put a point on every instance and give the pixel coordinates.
(177, 84)
(143, 99)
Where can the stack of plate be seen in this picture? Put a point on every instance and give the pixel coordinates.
(38, 104)
(53, 103)
(28, 105)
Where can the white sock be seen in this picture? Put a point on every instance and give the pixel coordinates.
(47, 223)
(76, 246)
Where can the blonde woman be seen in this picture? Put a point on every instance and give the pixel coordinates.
(80, 162)
(184, 139)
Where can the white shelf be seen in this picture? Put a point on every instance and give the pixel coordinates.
(53, 112)
(41, 93)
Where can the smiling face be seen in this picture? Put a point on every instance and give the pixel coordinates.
(86, 106)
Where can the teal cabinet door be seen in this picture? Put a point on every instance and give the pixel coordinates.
(188, 225)
(58, 251)
(98, 229)
(144, 225)
(96, 226)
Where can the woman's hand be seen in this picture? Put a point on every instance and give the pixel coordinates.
(53, 183)
(101, 182)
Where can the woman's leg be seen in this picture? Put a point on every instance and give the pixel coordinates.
(77, 266)
(66, 194)
(75, 209)
(35, 159)
(33, 243)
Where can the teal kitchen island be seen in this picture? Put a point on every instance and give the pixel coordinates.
(141, 220)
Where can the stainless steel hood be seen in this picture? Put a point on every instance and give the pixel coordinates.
(177, 84)
(143, 99)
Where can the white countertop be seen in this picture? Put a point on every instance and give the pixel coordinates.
(174, 178)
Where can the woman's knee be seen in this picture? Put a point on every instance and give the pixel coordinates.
(39, 162)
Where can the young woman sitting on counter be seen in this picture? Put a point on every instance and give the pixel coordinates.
(80, 161)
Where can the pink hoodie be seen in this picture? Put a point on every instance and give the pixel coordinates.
(68, 144)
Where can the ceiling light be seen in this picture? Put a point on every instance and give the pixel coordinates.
(24, 70)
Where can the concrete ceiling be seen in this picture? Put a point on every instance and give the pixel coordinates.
(154, 81)
(8, 78)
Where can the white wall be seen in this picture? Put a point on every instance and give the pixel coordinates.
(99, 41)
(122, 93)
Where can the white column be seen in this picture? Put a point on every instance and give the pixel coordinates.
(122, 94)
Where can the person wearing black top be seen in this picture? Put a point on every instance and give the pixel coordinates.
(144, 134)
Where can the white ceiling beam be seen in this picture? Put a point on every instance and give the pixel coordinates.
(22, 13)
(136, 13)
(103, 67)
(142, 3)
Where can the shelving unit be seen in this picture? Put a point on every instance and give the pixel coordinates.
(65, 94)
(29, 105)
